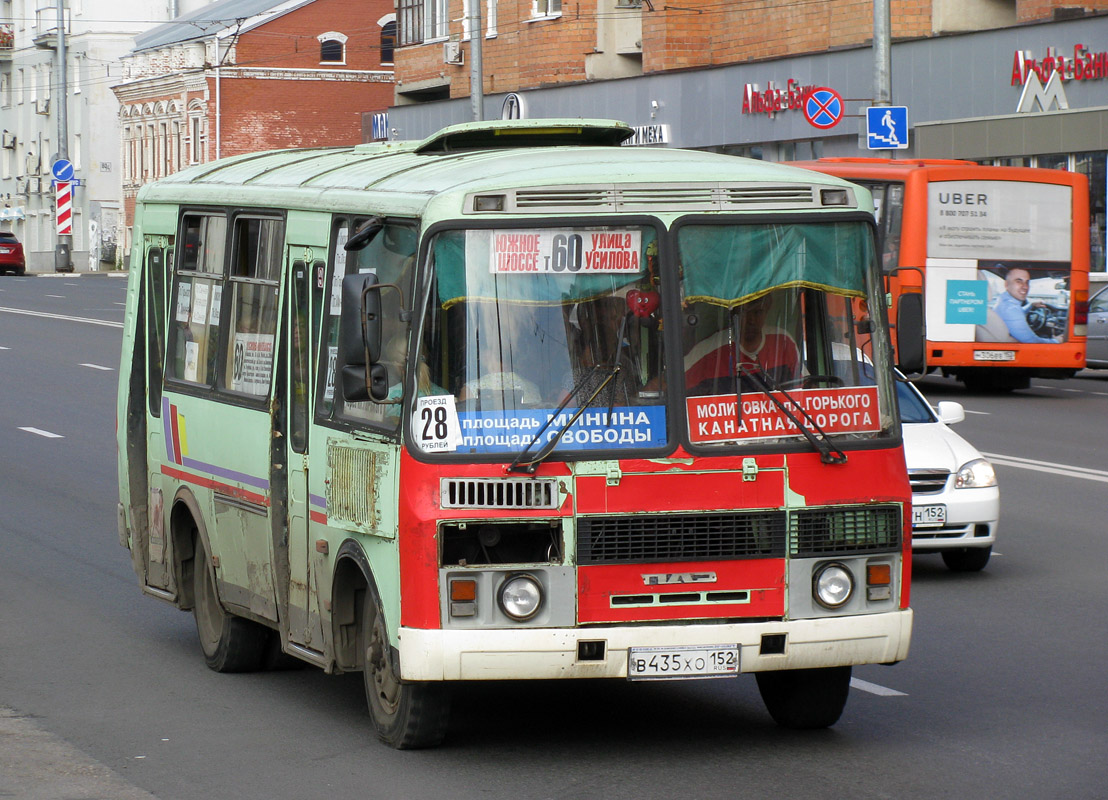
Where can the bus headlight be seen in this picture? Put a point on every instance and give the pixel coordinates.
(975, 474)
(520, 597)
(832, 585)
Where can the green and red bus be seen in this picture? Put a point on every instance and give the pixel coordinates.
(517, 402)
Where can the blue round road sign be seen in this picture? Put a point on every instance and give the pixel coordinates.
(824, 108)
(62, 170)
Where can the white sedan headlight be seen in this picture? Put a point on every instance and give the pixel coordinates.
(975, 475)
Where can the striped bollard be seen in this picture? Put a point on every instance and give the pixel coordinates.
(64, 194)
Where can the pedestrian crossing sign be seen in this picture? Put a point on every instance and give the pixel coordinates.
(887, 127)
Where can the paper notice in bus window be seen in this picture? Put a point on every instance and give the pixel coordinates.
(192, 358)
(565, 251)
(340, 271)
(217, 298)
(200, 302)
(253, 363)
(435, 424)
(184, 301)
(329, 381)
(847, 410)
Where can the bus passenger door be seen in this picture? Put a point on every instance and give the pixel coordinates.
(303, 611)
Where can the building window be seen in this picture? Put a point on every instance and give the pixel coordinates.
(489, 20)
(438, 23)
(196, 129)
(330, 51)
(546, 8)
(410, 27)
(388, 42)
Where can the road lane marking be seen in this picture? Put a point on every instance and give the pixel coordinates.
(86, 320)
(1048, 466)
(873, 688)
(97, 366)
(57, 296)
(40, 432)
(983, 413)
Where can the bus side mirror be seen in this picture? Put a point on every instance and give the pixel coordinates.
(911, 347)
(359, 350)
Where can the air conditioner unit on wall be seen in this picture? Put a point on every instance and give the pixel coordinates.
(452, 53)
(42, 105)
(8, 140)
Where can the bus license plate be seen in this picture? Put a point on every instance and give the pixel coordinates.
(652, 663)
(928, 516)
(994, 355)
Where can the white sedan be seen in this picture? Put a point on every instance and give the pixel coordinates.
(955, 498)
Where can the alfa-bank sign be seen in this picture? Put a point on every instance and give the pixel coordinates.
(1084, 65)
(1043, 79)
(775, 99)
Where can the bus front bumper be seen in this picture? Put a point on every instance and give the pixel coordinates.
(548, 653)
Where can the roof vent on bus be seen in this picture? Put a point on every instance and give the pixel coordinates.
(504, 133)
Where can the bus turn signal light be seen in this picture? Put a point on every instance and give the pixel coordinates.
(463, 597)
(879, 581)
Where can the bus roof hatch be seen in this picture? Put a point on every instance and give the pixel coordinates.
(497, 134)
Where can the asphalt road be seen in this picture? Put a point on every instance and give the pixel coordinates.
(103, 693)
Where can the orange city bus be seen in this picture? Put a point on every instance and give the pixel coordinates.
(1000, 254)
(517, 402)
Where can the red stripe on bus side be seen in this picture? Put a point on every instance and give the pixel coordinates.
(176, 434)
(208, 483)
(317, 516)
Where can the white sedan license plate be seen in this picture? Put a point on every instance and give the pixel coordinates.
(928, 516)
(994, 355)
(652, 663)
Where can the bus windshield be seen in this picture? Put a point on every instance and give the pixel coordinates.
(552, 338)
(526, 327)
(777, 317)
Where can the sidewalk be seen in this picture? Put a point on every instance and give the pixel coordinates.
(36, 765)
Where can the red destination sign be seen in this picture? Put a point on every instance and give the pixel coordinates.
(846, 410)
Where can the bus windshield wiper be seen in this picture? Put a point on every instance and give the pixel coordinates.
(518, 464)
(829, 452)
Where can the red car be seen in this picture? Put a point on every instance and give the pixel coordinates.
(11, 254)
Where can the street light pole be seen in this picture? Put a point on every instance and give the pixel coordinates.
(882, 59)
(476, 68)
(61, 253)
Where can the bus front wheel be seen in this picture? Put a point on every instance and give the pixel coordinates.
(229, 643)
(805, 698)
(405, 715)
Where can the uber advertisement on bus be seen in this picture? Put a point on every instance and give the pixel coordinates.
(999, 262)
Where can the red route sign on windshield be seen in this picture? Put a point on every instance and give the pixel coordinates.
(845, 410)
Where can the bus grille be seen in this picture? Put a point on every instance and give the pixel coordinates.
(497, 493)
(928, 481)
(680, 537)
(845, 530)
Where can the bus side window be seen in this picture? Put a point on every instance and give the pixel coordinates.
(255, 270)
(194, 330)
(391, 255)
(155, 320)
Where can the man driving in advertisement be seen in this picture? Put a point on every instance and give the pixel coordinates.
(1012, 306)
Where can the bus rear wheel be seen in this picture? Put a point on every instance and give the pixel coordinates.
(804, 699)
(405, 715)
(229, 643)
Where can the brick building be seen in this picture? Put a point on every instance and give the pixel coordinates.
(732, 77)
(238, 76)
